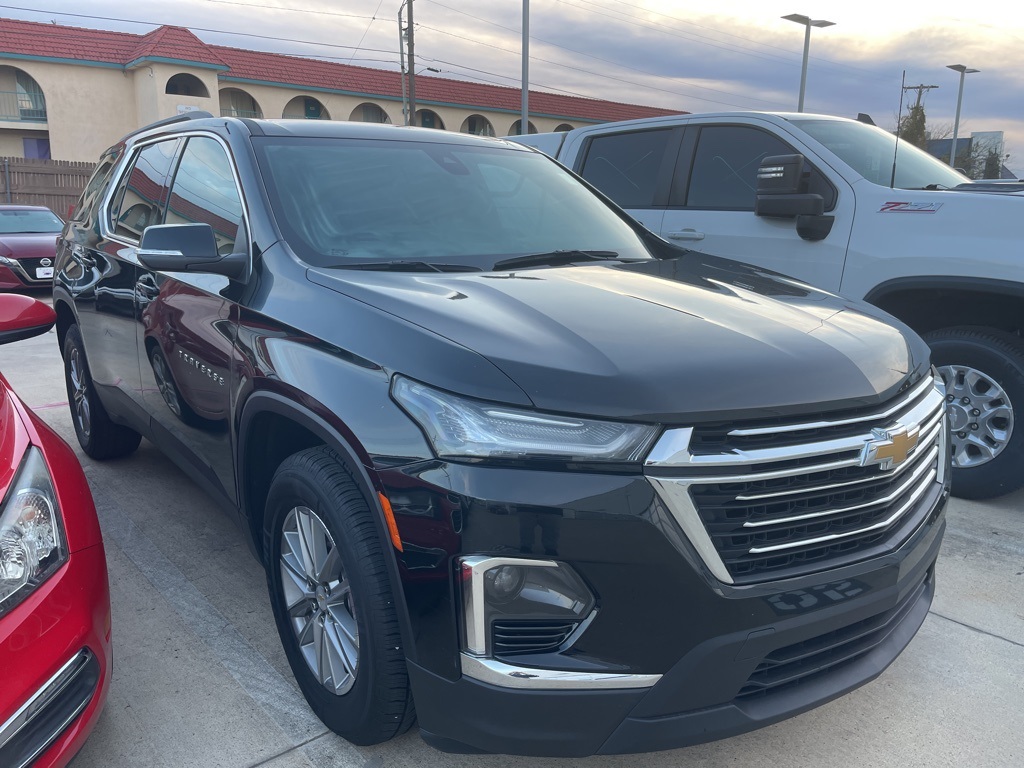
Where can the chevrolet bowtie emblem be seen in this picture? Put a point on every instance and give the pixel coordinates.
(891, 447)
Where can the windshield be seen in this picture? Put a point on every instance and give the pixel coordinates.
(349, 201)
(869, 150)
(29, 222)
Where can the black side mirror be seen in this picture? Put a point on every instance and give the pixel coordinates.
(781, 189)
(188, 248)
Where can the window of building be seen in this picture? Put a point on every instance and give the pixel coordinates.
(478, 125)
(563, 127)
(36, 149)
(305, 108)
(369, 113)
(235, 102)
(31, 101)
(429, 119)
(184, 84)
(515, 129)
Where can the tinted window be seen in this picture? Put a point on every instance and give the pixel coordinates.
(340, 201)
(626, 166)
(140, 200)
(204, 192)
(724, 172)
(85, 209)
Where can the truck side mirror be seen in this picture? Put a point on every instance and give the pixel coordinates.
(780, 189)
(187, 248)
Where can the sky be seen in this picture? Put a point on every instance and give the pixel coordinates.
(677, 55)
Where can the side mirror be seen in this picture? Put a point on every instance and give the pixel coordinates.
(780, 189)
(188, 248)
(22, 317)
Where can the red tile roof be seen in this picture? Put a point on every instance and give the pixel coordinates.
(121, 48)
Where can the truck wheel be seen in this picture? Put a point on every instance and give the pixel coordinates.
(99, 437)
(332, 599)
(984, 374)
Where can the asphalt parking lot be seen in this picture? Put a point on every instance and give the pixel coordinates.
(200, 678)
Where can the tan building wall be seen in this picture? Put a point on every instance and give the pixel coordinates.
(89, 108)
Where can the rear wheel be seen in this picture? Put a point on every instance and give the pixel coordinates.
(332, 599)
(99, 437)
(983, 370)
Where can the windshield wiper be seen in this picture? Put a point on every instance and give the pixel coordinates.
(554, 258)
(402, 265)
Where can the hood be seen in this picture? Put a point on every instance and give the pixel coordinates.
(669, 341)
(29, 246)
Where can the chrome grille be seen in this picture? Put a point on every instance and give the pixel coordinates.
(811, 500)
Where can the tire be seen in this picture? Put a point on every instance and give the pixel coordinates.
(984, 374)
(362, 696)
(99, 437)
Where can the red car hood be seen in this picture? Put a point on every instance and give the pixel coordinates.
(29, 246)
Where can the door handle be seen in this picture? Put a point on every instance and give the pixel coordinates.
(686, 234)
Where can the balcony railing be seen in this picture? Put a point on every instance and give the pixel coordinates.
(22, 107)
(231, 112)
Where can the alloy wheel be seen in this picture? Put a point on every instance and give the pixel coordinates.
(319, 600)
(165, 384)
(80, 392)
(980, 415)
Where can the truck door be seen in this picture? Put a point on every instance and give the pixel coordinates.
(186, 329)
(711, 205)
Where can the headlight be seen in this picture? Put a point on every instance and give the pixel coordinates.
(458, 427)
(32, 544)
(7, 262)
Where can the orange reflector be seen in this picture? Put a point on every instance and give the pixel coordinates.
(389, 516)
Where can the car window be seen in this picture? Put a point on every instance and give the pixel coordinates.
(724, 170)
(205, 192)
(28, 221)
(140, 199)
(352, 200)
(626, 166)
(85, 208)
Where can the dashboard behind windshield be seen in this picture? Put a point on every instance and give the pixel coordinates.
(870, 151)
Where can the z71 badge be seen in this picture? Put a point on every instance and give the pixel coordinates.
(909, 207)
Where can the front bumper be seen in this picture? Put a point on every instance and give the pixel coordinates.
(56, 654)
(726, 658)
(13, 277)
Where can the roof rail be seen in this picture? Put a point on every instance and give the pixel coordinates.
(193, 115)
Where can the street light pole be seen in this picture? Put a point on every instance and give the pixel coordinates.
(524, 121)
(808, 22)
(964, 71)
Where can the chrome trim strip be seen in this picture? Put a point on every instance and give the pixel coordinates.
(912, 395)
(52, 687)
(511, 676)
(675, 494)
(922, 466)
(928, 437)
(667, 451)
(877, 526)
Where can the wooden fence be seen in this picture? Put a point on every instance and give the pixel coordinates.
(53, 183)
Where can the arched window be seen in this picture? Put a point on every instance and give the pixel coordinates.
(429, 119)
(306, 108)
(26, 101)
(368, 112)
(234, 102)
(478, 125)
(184, 84)
(561, 128)
(514, 130)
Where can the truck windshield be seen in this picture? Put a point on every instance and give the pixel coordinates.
(870, 151)
(346, 201)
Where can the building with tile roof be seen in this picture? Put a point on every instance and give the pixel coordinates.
(67, 93)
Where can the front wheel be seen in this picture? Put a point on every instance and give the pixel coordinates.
(332, 599)
(983, 370)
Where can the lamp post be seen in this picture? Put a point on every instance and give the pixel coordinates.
(808, 22)
(959, 100)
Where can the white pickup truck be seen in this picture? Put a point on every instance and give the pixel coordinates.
(835, 203)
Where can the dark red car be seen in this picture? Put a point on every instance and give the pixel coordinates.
(54, 599)
(28, 243)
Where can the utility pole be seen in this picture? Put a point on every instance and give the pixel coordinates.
(401, 57)
(412, 67)
(920, 91)
(524, 120)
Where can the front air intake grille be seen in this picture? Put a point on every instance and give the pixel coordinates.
(512, 637)
(779, 500)
(802, 662)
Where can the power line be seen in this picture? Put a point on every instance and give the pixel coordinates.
(363, 37)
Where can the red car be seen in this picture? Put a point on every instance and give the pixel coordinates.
(54, 598)
(28, 244)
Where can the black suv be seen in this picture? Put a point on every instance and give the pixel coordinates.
(503, 452)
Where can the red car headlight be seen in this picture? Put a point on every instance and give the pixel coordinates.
(32, 541)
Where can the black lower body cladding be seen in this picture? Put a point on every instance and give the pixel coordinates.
(725, 659)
